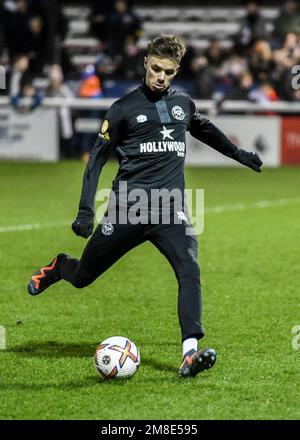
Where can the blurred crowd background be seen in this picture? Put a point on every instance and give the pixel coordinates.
(95, 49)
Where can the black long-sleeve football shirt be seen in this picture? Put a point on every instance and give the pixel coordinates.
(148, 132)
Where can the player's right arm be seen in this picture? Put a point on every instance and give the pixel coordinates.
(108, 139)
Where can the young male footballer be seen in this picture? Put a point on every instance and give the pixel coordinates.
(146, 129)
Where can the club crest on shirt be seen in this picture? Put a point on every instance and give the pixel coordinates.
(107, 228)
(178, 113)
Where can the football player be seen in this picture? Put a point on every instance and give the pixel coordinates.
(147, 130)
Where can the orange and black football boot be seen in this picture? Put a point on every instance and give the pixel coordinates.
(196, 361)
(44, 277)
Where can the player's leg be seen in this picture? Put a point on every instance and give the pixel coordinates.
(104, 248)
(101, 252)
(181, 250)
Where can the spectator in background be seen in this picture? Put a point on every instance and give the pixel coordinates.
(23, 95)
(287, 21)
(25, 33)
(260, 61)
(285, 58)
(33, 27)
(90, 87)
(36, 47)
(100, 12)
(15, 21)
(264, 94)
(242, 87)
(131, 66)
(289, 53)
(19, 75)
(215, 54)
(245, 89)
(57, 89)
(203, 79)
(207, 71)
(185, 72)
(105, 66)
(122, 24)
(27, 100)
(54, 26)
(233, 67)
(253, 27)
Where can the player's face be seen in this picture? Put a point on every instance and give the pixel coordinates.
(159, 72)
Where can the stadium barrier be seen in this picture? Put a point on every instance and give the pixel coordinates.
(30, 136)
(273, 130)
(254, 133)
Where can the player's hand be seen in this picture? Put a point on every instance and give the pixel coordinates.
(251, 160)
(83, 225)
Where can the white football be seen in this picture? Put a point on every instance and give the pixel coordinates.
(117, 357)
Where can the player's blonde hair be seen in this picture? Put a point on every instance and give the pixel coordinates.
(167, 46)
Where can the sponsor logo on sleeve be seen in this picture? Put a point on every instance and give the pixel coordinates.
(104, 130)
(105, 126)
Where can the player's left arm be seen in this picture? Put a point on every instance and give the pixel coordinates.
(204, 130)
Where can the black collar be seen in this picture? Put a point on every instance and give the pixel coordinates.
(153, 96)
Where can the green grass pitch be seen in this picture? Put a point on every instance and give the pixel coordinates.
(250, 268)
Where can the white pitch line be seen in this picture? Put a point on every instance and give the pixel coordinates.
(215, 210)
(261, 204)
(30, 227)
